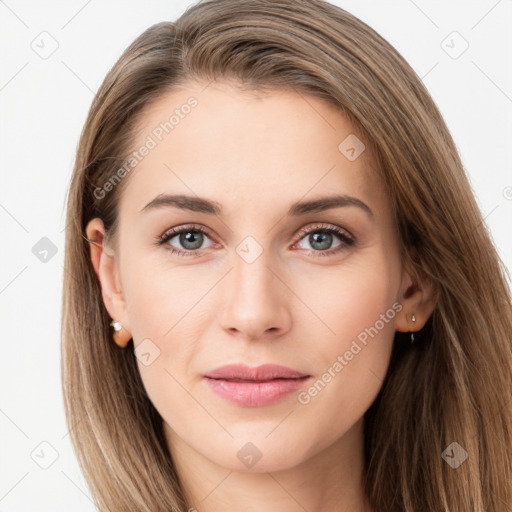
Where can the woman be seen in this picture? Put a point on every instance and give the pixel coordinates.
(279, 290)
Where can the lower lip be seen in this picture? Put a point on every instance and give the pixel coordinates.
(255, 394)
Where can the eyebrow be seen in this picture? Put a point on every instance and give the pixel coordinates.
(201, 205)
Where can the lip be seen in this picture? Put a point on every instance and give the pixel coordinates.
(254, 386)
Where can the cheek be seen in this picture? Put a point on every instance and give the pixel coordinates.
(169, 309)
(357, 306)
(161, 298)
(348, 300)
(163, 306)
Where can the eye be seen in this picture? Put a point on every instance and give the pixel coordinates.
(321, 237)
(190, 238)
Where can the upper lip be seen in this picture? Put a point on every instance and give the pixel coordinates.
(257, 373)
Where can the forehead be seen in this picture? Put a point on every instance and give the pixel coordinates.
(220, 142)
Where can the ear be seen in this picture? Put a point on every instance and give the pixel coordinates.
(418, 296)
(106, 268)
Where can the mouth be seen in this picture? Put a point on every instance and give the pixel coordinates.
(260, 373)
(254, 387)
(262, 380)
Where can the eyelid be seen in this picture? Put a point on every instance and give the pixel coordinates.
(322, 226)
(178, 229)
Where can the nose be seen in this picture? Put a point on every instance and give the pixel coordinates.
(257, 304)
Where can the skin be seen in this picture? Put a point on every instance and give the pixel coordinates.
(256, 154)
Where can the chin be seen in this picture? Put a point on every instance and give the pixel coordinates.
(259, 452)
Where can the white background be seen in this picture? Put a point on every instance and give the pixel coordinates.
(44, 103)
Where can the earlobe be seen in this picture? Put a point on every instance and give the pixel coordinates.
(104, 263)
(418, 297)
(120, 335)
(409, 321)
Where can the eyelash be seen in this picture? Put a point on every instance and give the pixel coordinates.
(347, 240)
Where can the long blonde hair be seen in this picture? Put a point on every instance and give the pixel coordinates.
(453, 386)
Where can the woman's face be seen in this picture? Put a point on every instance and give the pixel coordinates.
(268, 282)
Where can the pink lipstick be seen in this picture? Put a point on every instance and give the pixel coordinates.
(254, 386)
